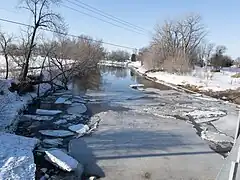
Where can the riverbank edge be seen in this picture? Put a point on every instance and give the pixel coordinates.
(114, 63)
(17, 145)
(179, 88)
(26, 100)
(214, 145)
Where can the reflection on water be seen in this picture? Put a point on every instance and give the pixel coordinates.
(147, 83)
(114, 81)
(119, 72)
(91, 81)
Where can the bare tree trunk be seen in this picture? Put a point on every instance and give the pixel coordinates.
(25, 70)
(7, 68)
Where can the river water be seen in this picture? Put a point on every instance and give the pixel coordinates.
(155, 109)
(113, 85)
(110, 88)
(105, 90)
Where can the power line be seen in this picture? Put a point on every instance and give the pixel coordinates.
(111, 16)
(100, 19)
(108, 16)
(15, 22)
(71, 35)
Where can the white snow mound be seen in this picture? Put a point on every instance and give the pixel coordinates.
(16, 157)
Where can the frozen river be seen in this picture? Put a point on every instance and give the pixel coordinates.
(153, 132)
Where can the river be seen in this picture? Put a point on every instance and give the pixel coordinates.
(143, 133)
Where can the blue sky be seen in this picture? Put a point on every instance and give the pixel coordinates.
(221, 17)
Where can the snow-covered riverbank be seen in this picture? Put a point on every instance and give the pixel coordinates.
(204, 81)
(16, 157)
(12, 104)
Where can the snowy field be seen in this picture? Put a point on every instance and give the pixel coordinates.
(204, 80)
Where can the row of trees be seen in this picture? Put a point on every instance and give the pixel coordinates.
(118, 55)
(179, 45)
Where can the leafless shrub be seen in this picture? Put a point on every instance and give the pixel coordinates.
(69, 58)
(178, 63)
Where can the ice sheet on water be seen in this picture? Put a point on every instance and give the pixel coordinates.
(197, 114)
(56, 133)
(61, 160)
(48, 112)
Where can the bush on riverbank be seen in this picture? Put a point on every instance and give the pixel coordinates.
(173, 48)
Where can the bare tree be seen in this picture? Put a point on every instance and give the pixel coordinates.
(220, 50)
(74, 57)
(118, 55)
(178, 39)
(203, 53)
(5, 41)
(43, 17)
(237, 62)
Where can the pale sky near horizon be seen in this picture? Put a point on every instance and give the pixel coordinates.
(221, 17)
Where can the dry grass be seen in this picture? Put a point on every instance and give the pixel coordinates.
(192, 87)
(237, 75)
(178, 63)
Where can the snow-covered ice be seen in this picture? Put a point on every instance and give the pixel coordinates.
(61, 121)
(227, 124)
(136, 85)
(56, 133)
(16, 157)
(55, 142)
(197, 114)
(63, 100)
(77, 109)
(60, 100)
(79, 128)
(69, 117)
(138, 142)
(48, 112)
(68, 102)
(216, 137)
(37, 117)
(61, 160)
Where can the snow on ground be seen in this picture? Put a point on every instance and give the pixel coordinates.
(205, 80)
(11, 104)
(16, 157)
(113, 63)
(37, 62)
